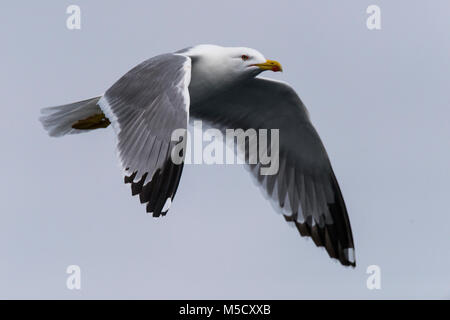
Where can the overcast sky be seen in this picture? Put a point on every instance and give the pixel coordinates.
(379, 99)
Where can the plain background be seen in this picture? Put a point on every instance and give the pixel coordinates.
(379, 99)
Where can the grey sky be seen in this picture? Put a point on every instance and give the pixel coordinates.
(379, 100)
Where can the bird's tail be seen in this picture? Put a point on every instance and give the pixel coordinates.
(73, 118)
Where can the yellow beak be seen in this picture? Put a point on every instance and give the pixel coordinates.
(270, 65)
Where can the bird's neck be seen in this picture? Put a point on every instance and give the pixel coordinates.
(207, 81)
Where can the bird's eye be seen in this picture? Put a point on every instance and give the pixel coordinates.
(244, 57)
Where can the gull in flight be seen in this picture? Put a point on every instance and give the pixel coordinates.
(220, 86)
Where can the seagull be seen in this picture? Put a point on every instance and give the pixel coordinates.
(220, 86)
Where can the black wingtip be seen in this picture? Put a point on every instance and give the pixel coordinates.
(162, 186)
(327, 237)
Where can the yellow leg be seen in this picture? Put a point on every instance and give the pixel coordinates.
(96, 121)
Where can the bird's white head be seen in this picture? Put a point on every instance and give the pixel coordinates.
(230, 62)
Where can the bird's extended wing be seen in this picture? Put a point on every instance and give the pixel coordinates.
(305, 187)
(145, 106)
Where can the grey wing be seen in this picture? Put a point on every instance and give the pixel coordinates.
(145, 106)
(305, 187)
